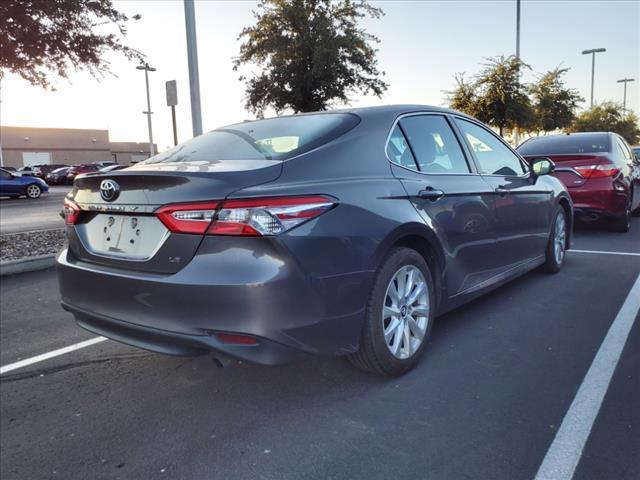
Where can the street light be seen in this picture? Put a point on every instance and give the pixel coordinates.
(148, 113)
(192, 59)
(625, 81)
(593, 52)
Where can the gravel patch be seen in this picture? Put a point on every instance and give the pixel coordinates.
(15, 246)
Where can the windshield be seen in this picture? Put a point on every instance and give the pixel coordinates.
(272, 139)
(565, 144)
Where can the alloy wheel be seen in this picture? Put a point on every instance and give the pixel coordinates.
(405, 313)
(33, 191)
(560, 238)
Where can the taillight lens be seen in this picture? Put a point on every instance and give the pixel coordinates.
(267, 216)
(70, 211)
(246, 218)
(598, 171)
(188, 217)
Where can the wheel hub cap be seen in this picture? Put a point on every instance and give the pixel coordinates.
(405, 313)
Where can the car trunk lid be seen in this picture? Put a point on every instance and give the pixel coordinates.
(566, 167)
(124, 232)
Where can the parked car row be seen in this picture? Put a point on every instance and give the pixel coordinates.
(66, 174)
(30, 181)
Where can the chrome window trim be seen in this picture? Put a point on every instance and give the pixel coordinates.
(423, 113)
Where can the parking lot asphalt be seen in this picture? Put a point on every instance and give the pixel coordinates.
(485, 403)
(24, 215)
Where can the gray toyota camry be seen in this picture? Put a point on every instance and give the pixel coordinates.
(333, 233)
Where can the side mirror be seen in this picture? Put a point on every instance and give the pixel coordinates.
(541, 166)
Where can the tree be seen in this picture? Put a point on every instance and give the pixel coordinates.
(502, 98)
(463, 98)
(496, 95)
(608, 117)
(312, 52)
(45, 37)
(554, 104)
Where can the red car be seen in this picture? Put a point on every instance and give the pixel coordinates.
(80, 169)
(598, 169)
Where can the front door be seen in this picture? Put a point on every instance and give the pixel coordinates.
(522, 206)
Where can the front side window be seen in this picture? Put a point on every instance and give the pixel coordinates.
(494, 157)
(5, 175)
(434, 144)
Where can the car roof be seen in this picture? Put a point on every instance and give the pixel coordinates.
(363, 112)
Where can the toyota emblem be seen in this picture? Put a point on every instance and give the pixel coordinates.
(109, 190)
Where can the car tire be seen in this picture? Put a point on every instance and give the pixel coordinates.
(33, 191)
(557, 244)
(414, 318)
(622, 224)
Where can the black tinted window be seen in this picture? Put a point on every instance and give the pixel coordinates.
(565, 144)
(271, 139)
(5, 175)
(494, 157)
(434, 144)
(398, 150)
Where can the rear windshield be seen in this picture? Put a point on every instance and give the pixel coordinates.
(272, 139)
(565, 144)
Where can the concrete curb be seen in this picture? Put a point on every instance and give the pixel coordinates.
(30, 264)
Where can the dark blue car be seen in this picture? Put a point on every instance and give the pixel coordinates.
(15, 185)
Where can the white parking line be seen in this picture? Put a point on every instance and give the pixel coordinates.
(46, 356)
(605, 252)
(564, 453)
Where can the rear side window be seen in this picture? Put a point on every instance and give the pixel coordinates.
(566, 144)
(272, 139)
(433, 144)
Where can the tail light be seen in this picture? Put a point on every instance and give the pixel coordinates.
(187, 217)
(598, 171)
(70, 212)
(267, 216)
(248, 218)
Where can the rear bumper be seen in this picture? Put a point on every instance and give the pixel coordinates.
(258, 290)
(265, 352)
(599, 198)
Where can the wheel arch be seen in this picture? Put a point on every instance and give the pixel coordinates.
(419, 238)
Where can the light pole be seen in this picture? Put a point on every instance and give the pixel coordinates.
(192, 57)
(148, 113)
(624, 98)
(517, 129)
(593, 52)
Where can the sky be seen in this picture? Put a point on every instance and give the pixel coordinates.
(423, 44)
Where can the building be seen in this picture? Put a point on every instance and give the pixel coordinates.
(22, 146)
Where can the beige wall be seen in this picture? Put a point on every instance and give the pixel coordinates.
(66, 145)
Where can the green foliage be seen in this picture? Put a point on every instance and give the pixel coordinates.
(496, 95)
(463, 98)
(45, 37)
(608, 117)
(311, 52)
(554, 104)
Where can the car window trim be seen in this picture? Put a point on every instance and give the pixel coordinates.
(522, 161)
(471, 165)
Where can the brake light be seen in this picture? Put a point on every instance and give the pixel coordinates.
(598, 171)
(187, 217)
(70, 211)
(267, 216)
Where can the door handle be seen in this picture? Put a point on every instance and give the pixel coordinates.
(430, 194)
(501, 191)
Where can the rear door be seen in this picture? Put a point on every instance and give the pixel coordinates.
(523, 206)
(451, 197)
